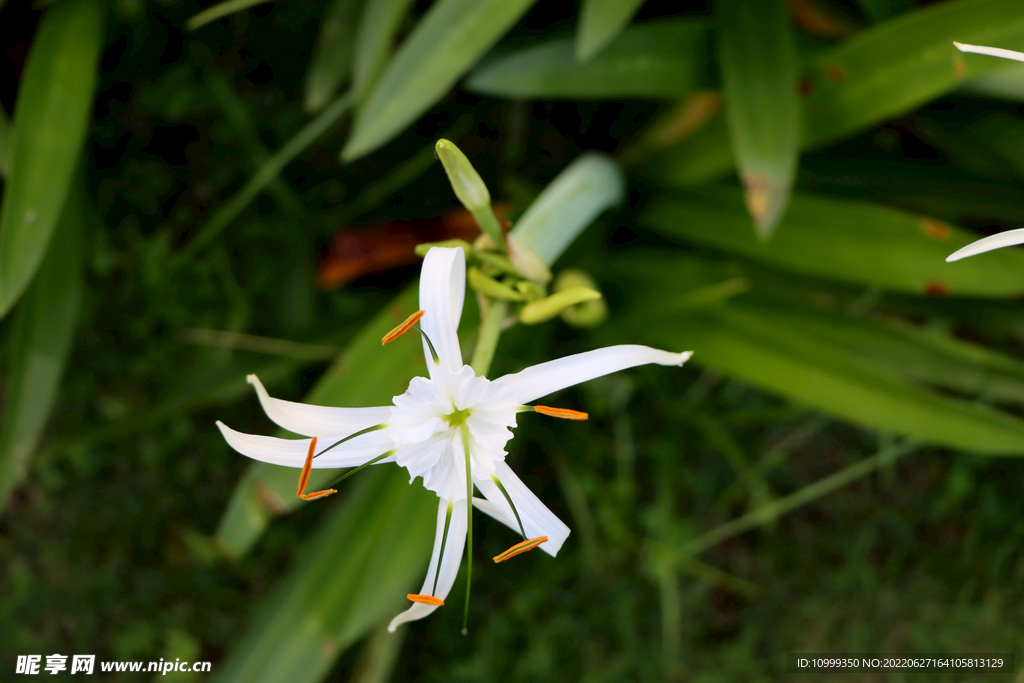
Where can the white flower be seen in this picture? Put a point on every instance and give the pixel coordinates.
(442, 426)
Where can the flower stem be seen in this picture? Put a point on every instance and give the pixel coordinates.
(469, 528)
(490, 332)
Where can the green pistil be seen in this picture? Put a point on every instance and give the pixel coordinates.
(458, 419)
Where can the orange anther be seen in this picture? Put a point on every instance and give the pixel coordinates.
(563, 413)
(403, 328)
(304, 477)
(426, 599)
(521, 547)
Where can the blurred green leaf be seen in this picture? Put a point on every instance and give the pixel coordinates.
(600, 22)
(880, 10)
(332, 58)
(442, 47)
(665, 59)
(759, 75)
(42, 330)
(51, 117)
(352, 573)
(6, 145)
(875, 75)
(755, 342)
(587, 187)
(838, 239)
(221, 9)
(375, 36)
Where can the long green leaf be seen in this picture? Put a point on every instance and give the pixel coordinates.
(375, 35)
(875, 75)
(843, 240)
(749, 341)
(218, 11)
(352, 573)
(442, 47)
(661, 60)
(43, 327)
(51, 117)
(332, 58)
(6, 145)
(600, 22)
(758, 62)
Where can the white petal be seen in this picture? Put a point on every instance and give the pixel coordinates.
(491, 510)
(991, 51)
(997, 241)
(449, 563)
(442, 292)
(546, 378)
(292, 452)
(320, 421)
(537, 519)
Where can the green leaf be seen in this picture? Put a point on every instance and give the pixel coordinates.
(661, 60)
(880, 10)
(875, 75)
(352, 573)
(42, 330)
(755, 342)
(848, 241)
(586, 188)
(51, 117)
(218, 11)
(758, 62)
(375, 36)
(600, 22)
(332, 59)
(442, 47)
(6, 145)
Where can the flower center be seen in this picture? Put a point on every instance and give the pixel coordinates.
(458, 418)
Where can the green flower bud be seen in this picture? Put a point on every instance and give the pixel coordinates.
(490, 287)
(422, 249)
(586, 314)
(466, 182)
(545, 309)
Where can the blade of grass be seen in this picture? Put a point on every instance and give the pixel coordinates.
(43, 328)
(332, 58)
(218, 11)
(600, 22)
(665, 59)
(51, 118)
(442, 47)
(6, 145)
(758, 63)
(375, 37)
(269, 171)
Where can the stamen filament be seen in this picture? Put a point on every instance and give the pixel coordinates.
(406, 325)
(563, 413)
(444, 540)
(425, 599)
(351, 436)
(304, 477)
(520, 548)
(433, 351)
(365, 464)
(510, 504)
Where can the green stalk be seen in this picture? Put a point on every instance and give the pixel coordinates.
(469, 529)
(490, 332)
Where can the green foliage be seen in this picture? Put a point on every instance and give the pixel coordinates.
(819, 477)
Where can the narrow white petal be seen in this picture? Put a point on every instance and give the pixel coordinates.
(292, 452)
(537, 519)
(491, 510)
(990, 51)
(320, 421)
(449, 563)
(997, 241)
(546, 378)
(442, 292)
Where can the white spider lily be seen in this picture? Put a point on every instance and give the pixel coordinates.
(449, 428)
(1010, 237)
